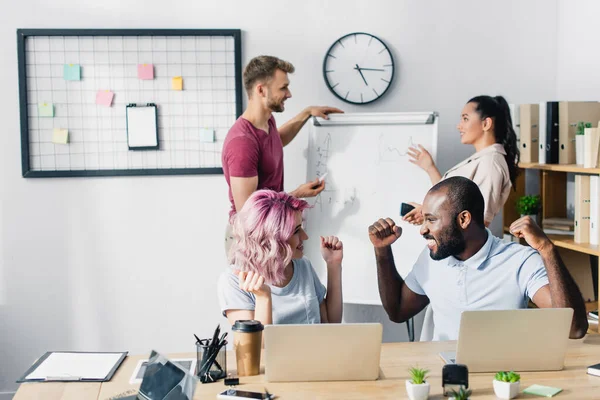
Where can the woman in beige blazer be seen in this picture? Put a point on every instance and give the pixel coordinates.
(486, 124)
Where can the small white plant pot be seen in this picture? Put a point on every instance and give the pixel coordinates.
(417, 392)
(506, 390)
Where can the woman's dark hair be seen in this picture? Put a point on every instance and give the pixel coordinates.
(497, 109)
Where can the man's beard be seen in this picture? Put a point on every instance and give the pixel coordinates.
(450, 243)
(275, 106)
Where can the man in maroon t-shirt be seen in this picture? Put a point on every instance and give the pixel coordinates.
(253, 150)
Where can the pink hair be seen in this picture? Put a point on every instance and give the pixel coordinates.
(261, 231)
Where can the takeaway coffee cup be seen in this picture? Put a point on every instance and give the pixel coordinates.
(247, 343)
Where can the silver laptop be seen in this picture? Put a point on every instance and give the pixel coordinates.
(322, 352)
(533, 339)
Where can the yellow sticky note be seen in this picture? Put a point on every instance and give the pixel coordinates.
(60, 136)
(177, 83)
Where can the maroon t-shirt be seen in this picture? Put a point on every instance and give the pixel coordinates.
(249, 152)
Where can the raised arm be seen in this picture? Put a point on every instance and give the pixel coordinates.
(421, 157)
(332, 306)
(290, 129)
(398, 300)
(562, 291)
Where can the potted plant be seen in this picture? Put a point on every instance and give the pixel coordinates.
(417, 387)
(462, 394)
(529, 205)
(506, 384)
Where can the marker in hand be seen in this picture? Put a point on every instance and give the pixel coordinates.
(322, 177)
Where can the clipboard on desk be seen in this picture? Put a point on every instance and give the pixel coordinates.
(73, 366)
(142, 126)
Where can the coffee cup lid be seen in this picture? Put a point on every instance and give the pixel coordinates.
(247, 326)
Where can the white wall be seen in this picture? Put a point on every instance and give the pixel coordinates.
(131, 263)
(578, 55)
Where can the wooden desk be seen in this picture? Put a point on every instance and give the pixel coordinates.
(396, 358)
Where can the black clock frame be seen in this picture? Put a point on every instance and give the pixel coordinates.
(325, 65)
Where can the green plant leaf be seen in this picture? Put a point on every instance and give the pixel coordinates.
(462, 394)
(528, 205)
(418, 375)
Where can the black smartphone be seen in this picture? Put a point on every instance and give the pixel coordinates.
(405, 209)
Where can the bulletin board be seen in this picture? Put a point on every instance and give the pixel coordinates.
(75, 87)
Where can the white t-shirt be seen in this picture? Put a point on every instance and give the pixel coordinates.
(296, 303)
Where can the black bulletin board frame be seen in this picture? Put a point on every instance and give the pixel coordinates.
(22, 34)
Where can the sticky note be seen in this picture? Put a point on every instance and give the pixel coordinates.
(540, 390)
(145, 71)
(72, 72)
(60, 136)
(104, 98)
(46, 110)
(177, 83)
(207, 135)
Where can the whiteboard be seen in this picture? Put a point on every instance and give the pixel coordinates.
(368, 176)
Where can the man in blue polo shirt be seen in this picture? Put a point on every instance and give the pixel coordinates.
(465, 267)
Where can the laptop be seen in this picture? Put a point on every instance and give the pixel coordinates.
(322, 352)
(165, 380)
(532, 339)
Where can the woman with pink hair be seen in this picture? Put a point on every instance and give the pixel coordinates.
(269, 279)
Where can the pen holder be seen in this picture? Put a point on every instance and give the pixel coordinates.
(211, 362)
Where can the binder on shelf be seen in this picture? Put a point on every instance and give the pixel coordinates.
(542, 130)
(529, 128)
(594, 209)
(569, 113)
(582, 208)
(515, 115)
(548, 133)
(591, 144)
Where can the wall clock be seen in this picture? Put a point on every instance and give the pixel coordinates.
(358, 68)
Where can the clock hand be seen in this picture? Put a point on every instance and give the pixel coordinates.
(361, 74)
(371, 69)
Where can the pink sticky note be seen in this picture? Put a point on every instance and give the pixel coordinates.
(145, 71)
(104, 98)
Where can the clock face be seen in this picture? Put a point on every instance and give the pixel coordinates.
(358, 68)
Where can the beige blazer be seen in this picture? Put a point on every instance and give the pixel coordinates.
(488, 169)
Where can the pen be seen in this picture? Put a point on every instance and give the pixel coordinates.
(223, 336)
(215, 336)
(197, 338)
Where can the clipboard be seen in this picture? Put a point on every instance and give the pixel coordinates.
(142, 126)
(72, 378)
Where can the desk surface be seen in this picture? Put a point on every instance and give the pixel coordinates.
(396, 358)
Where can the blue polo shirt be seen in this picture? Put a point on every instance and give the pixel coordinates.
(500, 276)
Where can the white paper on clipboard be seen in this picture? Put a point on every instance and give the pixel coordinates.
(142, 129)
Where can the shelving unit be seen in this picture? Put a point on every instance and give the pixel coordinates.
(553, 193)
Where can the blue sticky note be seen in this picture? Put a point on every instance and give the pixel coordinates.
(72, 72)
(46, 110)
